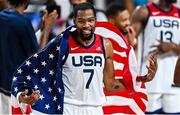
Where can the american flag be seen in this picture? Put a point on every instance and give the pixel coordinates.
(42, 72)
(133, 100)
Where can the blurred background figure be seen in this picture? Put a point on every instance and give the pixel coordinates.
(35, 13)
(159, 24)
(119, 16)
(3, 4)
(17, 43)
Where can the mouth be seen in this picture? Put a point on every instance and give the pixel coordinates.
(86, 32)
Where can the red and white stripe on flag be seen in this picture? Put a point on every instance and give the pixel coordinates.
(133, 100)
(18, 108)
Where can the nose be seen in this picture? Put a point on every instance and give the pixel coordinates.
(86, 24)
(128, 22)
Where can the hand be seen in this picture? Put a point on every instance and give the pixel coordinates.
(34, 97)
(49, 20)
(162, 47)
(151, 69)
(131, 35)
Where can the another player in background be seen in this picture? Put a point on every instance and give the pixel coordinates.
(119, 16)
(159, 25)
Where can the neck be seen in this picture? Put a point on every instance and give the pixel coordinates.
(20, 9)
(83, 42)
(86, 42)
(164, 5)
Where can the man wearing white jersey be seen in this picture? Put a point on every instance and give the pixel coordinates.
(87, 64)
(160, 25)
(119, 16)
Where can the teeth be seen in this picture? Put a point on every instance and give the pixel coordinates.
(86, 31)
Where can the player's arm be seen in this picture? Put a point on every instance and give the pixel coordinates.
(139, 19)
(165, 47)
(48, 22)
(108, 74)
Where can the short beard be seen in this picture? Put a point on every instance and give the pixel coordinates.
(86, 38)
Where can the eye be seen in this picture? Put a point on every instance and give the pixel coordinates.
(81, 21)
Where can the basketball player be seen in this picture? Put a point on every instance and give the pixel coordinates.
(119, 16)
(88, 63)
(159, 24)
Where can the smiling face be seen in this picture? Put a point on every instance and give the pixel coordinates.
(122, 20)
(85, 22)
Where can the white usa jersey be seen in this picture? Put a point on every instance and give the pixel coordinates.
(162, 26)
(83, 73)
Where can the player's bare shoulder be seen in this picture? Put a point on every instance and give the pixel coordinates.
(141, 11)
(108, 48)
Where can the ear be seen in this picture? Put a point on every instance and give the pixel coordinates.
(111, 20)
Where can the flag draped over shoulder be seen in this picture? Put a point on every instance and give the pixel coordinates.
(134, 99)
(42, 72)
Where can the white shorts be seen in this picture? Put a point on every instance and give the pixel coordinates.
(170, 103)
(70, 109)
(5, 104)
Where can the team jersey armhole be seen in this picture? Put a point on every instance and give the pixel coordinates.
(103, 48)
(179, 12)
(66, 55)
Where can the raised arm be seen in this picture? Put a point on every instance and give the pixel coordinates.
(110, 82)
(139, 19)
(49, 21)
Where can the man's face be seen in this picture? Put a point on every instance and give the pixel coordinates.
(85, 23)
(77, 1)
(122, 21)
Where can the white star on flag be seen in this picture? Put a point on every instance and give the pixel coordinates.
(36, 71)
(28, 63)
(59, 107)
(36, 87)
(59, 89)
(28, 77)
(41, 97)
(15, 89)
(14, 78)
(57, 48)
(35, 55)
(54, 98)
(49, 89)
(47, 106)
(43, 80)
(43, 63)
(51, 56)
(51, 72)
(19, 71)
